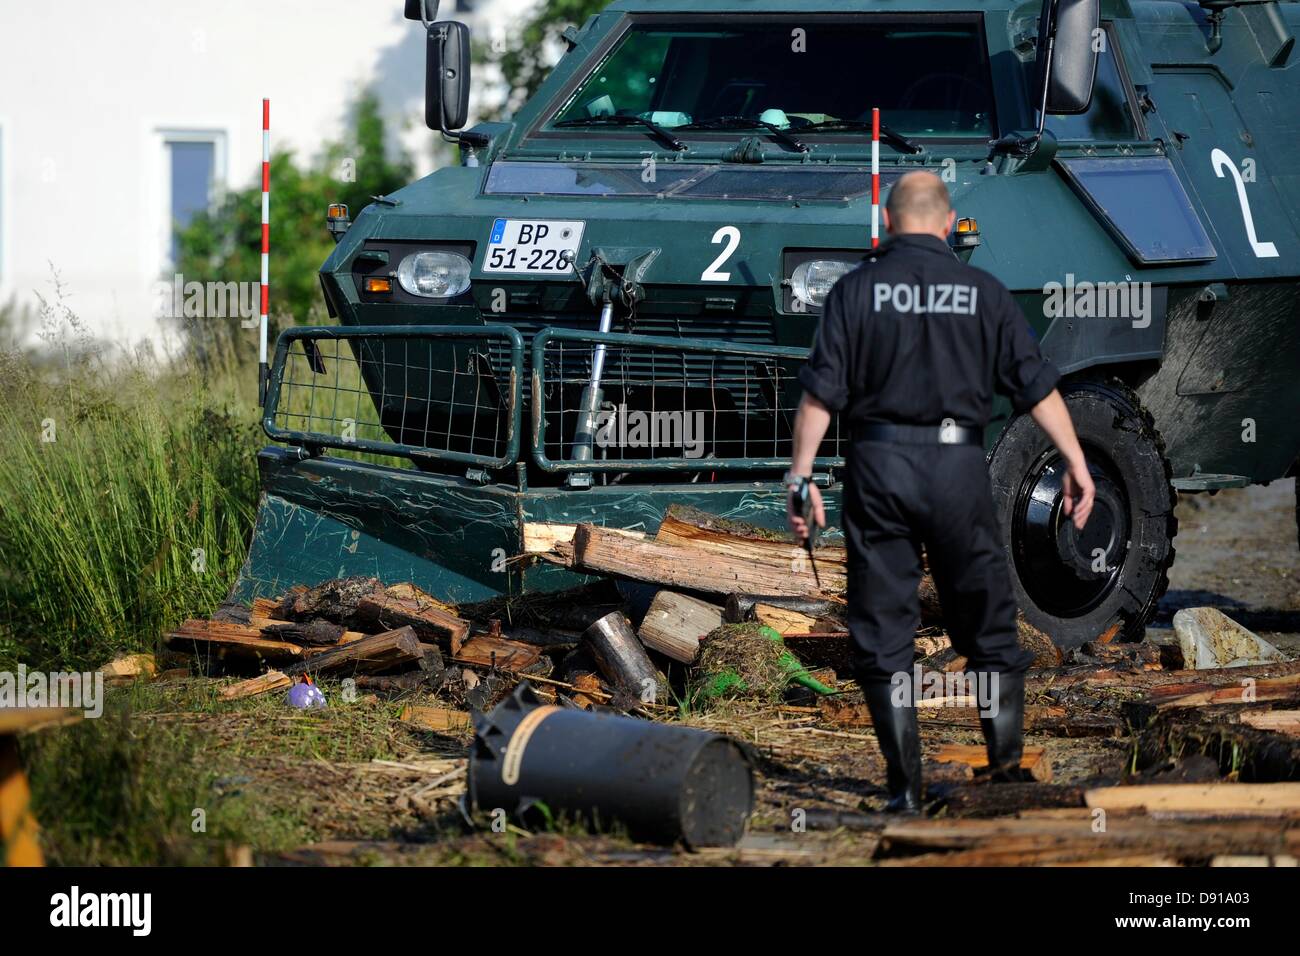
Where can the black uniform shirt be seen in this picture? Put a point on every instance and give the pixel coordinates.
(916, 337)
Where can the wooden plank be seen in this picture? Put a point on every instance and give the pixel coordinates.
(674, 624)
(601, 551)
(221, 638)
(784, 620)
(1271, 799)
(130, 667)
(262, 684)
(698, 531)
(1278, 721)
(540, 538)
(484, 650)
(976, 757)
(18, 840)
(375, 652)
(438, 719)
(264, 608)
(18, 720)
(1256, 691)
(1186, 839)
(1079, 853)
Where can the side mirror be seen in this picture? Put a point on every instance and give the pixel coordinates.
(446, 76)
(1067, 48)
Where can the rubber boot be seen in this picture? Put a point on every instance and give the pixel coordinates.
(900, 741)
(1004, 732)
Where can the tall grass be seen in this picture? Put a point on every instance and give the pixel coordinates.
(127, 493)
(121, 791)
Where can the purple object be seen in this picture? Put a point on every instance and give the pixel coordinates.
(306, 695)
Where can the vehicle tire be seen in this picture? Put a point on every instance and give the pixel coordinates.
(1059, 578)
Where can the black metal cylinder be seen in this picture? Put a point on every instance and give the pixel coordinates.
(663, 783)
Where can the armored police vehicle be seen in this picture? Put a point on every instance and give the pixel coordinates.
(600, 311)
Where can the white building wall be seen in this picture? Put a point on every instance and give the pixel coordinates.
(89, 89)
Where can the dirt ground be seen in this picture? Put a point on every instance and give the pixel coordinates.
(819, 780)
(1236, 551)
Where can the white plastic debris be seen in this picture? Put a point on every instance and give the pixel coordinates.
(1209, 638)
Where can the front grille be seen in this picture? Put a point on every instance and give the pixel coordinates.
(574, 363)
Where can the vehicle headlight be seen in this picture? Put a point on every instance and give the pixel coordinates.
(435, 275)
(811, 281)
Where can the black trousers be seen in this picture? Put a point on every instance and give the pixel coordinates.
(899, 498)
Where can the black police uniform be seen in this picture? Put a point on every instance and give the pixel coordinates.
(911, 347)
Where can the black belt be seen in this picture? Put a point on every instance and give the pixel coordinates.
(918, 434)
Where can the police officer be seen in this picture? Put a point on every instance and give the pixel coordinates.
(911, 347)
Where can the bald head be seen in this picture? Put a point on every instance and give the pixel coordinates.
(918, 202)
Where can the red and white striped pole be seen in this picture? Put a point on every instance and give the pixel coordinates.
(262, 370)
(875, 177)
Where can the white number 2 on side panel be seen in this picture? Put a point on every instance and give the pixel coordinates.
(1221, 161)
(731, 236)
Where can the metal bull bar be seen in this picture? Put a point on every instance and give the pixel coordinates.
(433, 392)
(454, 394)
(669, 404)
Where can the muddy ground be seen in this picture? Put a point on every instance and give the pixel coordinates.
(1236, 551)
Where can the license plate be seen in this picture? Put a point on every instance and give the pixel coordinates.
(533, 246)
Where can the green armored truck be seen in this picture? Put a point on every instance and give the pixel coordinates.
(601, 310)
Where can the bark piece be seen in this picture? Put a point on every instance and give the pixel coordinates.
(254, 686)
(432, 622)
(312, 633)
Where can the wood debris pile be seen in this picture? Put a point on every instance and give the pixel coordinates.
(1201, 765)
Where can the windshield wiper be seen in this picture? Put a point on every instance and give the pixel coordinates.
(895, 139)
(620, 119)
(745, 122)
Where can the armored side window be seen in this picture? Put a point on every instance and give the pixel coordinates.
(1143, 204)
(1110, 118)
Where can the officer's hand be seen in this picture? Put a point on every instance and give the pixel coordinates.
(797, 525)
(1079, 492)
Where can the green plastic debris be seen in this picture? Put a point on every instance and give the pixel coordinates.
(793, 669)
(725, 683)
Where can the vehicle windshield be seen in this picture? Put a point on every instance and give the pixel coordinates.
(927, 75)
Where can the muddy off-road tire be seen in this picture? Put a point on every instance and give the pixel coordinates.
(1078, 586)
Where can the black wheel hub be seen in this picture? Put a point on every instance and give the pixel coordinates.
(1069, 572)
